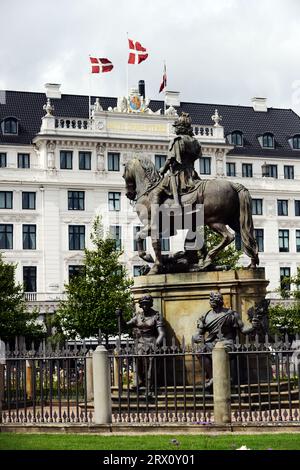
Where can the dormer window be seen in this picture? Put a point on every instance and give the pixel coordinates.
(236, 138)
(10, 126)
(267, 140)
(296, 142)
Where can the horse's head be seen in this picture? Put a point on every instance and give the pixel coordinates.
(130, 181)
(139, 175)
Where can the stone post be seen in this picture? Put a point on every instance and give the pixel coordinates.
(102, 389)
(221, 384)
(89, 377)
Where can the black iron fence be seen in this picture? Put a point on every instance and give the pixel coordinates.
(161, 385)
(44, 385)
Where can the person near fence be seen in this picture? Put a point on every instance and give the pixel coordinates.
(219, 324)
(149, 332)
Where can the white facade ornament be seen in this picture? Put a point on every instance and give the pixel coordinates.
(220, 162)
(216, 118)
(51, 155)
(48, 108)
(100, 149)
(135, 103)
(171, 111)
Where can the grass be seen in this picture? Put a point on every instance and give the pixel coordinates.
(10, 441)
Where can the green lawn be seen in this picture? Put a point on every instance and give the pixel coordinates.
(10, 441)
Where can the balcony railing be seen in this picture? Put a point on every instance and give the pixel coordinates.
(44, 296)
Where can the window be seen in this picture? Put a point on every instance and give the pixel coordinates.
(136, 230)
(115, 231)
(283, 236)
(297, 208)
(114, 201)
(29, 237)
(23, 160)
(282, 207)
(259, 236)
(257, 206)
(9, 126)
(230, 169)
(85, 160)
(6, 236)
(270, 171)
(296, 142)
(75, 270)
(137, 271)
(29, 278)
(113, 161)
(288, 172)
(3, 162)
(205, 166)
(160, 160)
(28, 200)
(298, 241)
(66, 160)
(76, 200)
(268, 140)
(76, 237)
(6, 200)
(285, 273)
(237, 138)
(247, 170)
(165, 244)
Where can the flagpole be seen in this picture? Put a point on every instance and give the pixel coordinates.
(90, 99)
(127, 72)
(165, 74)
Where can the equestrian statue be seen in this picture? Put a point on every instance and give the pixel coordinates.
(177, 193)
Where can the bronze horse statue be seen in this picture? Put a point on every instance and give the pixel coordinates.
(225, 204)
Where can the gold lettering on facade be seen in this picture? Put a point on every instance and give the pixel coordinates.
(140, 127)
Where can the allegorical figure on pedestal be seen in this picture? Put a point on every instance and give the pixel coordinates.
(219, 324)
(149, 332)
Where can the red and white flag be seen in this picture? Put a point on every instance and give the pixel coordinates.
(164, 80)
(100, 65)
(137, 53)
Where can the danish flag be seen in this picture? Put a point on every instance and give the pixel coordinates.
(164, 80)
(101, 65)
(137, 53)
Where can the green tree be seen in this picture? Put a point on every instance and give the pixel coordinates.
(227, 257)
(283, 317)
(15, 319)
(94, 295)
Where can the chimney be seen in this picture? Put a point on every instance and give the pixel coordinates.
(259, 104)
(142, 88)
(172, 98)
(53, 90)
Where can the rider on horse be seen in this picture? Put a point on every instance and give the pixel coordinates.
(184, 150)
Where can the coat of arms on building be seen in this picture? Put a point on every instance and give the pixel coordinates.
(135, 103)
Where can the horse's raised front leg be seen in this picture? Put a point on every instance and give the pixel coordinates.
(227, 238)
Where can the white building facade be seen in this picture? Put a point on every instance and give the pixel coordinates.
(60, 167)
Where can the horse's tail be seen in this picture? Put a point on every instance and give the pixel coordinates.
(246, 224)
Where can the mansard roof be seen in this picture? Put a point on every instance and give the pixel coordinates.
(283, 123)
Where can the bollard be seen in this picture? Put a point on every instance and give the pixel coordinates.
(89, 377)
(221, 384)
(102, 389)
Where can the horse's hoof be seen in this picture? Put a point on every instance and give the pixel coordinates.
(156, 269)
(147, 257)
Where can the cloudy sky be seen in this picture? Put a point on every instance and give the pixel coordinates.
(217, 51)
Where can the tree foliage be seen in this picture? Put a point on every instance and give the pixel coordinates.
(227, 257)
(15, 319)
(94, 295)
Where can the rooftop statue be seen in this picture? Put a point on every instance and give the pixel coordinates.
(178, 186)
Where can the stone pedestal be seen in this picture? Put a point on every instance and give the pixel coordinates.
(183, 298)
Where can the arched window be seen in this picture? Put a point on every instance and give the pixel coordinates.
(237, 138)
(296, 142)
(9, 126)
(268, 140)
